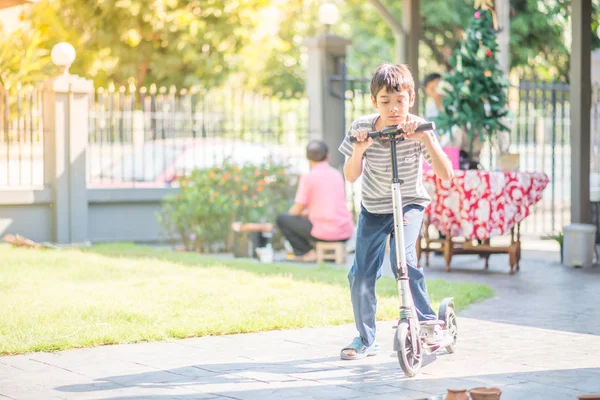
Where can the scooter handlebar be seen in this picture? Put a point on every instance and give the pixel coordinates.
(396, 130)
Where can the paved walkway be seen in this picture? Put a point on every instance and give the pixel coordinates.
(539, 338)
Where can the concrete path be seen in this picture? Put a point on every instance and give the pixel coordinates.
(539, 338)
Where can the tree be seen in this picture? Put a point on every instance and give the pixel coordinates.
(372, 41)
(207, 42)
(476, 100)
(170, 42)
(22, 59)
(274, 59)
(538, 34)
(443, 26)
(537, 38)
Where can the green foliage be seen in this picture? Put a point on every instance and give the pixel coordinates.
(258, 43)
(559, 237)
(595, 24)
(476, 99)
(537, 38)
(210, 200)
(372, 40)
(274, 59)
(443, 27)
(538, 35)
(172, 42)
(22, 59)
(23, 66)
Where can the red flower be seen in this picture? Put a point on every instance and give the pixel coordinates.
(488, 53)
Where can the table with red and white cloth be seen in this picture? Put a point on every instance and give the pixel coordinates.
(482, 204)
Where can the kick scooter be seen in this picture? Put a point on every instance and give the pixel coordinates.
(413, 339)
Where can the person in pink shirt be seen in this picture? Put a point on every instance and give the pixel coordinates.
(320, 212)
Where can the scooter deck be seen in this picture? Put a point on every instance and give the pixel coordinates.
(428, 323)
(431, 348)
(432, 322)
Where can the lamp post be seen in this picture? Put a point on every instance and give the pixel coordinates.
(63, 55)
(328, 15)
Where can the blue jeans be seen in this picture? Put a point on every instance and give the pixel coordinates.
(373, 229)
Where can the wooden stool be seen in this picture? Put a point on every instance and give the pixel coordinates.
(333, 251)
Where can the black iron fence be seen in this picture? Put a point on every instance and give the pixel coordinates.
(21, 137)
(540, 129)
(149, 138)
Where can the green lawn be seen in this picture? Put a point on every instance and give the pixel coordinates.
(123, 293)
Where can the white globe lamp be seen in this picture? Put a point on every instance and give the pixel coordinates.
(63, 55)
(328, 15)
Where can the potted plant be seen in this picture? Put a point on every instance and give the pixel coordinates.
(559, 237)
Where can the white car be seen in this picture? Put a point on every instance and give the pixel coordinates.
(162, 163)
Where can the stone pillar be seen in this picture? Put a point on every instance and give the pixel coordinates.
(65, 102)
(326, 54)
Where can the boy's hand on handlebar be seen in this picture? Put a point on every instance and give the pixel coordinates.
(409, 128)
(363, 141)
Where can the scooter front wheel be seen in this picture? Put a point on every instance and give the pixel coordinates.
(409, 353)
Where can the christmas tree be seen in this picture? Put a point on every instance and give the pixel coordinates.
(475, 100)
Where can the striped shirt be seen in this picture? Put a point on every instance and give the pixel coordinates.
(377, 169)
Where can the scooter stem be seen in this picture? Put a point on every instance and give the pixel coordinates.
(406, 301)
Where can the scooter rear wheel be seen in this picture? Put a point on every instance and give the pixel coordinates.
(409, 353)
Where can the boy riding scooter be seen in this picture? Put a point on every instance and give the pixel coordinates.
(392, 94)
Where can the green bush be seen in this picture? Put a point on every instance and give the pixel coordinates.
(211, 199)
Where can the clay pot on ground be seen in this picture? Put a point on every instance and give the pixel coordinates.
(589, 397)
(457, 394)
(483, 393)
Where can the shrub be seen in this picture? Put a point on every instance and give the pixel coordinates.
(211, 199)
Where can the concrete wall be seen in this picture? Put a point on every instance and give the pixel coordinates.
(27, 212)
(113, 214)
(125, 215)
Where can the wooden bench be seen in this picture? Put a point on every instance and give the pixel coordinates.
(331, 251)
(248, 237)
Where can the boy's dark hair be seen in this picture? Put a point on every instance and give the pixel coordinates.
(316, 151)
(395, 78)
(431, 78)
